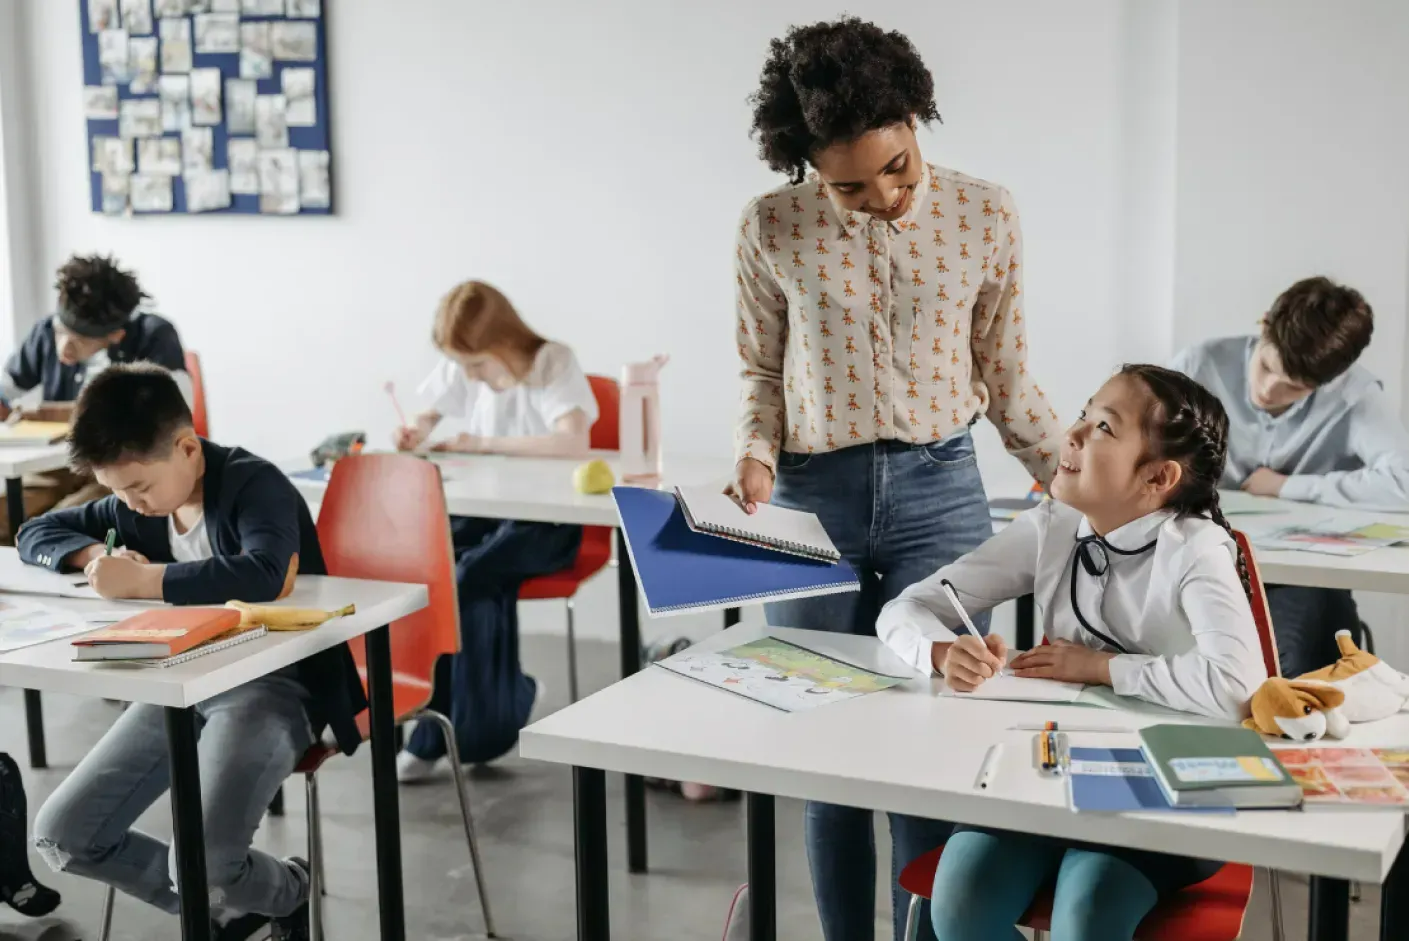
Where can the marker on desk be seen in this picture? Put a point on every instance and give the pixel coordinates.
(989, 767)
(1042, 727)
(112, 541)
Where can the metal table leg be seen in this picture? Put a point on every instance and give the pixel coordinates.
(189, 828)
(390, 900)
(630, 663)
(589, 812)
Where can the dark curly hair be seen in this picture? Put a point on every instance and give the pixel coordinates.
(832, 82)
(1186, 423)
(96, 295)
(1319, 329)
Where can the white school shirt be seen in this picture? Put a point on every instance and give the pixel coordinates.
(191, 546)
(1178, 607)
(553, 388)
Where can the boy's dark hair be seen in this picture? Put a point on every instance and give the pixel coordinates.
(832, 82)
(1186, 423)
(1319, 329)
(96, 297)
(127, 412)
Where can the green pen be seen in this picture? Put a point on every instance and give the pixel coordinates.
(112, 541)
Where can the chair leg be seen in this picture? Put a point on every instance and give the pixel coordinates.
(453, 747)
(315, 858)
(572, 652)
(1367, 637)
(1274, 882)
(912, 918)
(105, 920)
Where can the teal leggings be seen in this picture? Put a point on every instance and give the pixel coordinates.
(986, 881)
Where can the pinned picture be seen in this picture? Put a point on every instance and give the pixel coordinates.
(217, 33)
(174, 92)
(208, 192)
(278, 182)
(139, 117)
(112, 155)
(305, 9)
(151, 193)
(142, 64)
(256, 55)
(100, 102)
(225, 6)
(197, 6)
(302, 107)
(176, 45)
(271, 127)
(137, 17)
(243, 158)
(205, 97)
(159, 155)
(103, 15)
(262, 7)
(112, 56)
(197, 150)
(116, 187)
(315, 188)
(239, 105)
(294, 42)
(171, 8)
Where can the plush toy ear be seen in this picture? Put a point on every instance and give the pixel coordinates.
(1251, 724)
(1325, 695)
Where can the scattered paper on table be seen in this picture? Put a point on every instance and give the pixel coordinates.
(1005, 686)
(24, 624)
(1349, 777)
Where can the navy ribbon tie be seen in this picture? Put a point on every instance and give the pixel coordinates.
(1094, 555)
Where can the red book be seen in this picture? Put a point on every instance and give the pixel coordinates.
(155, 634)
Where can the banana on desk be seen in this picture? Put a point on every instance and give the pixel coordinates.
(278, 618)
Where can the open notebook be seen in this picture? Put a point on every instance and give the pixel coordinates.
(707, 510)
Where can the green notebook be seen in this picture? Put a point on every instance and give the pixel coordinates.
(1217, 766)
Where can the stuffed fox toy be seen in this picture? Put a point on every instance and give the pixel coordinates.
(1358, 687)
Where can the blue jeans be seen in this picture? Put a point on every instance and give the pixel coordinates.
(250, 740)
(986, 881)
(483, 689)
(897, 513)
(1305, 621)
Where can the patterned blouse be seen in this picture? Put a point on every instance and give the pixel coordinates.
(853, 330)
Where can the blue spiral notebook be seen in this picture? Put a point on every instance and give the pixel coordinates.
(1118, 780)
(680, 570)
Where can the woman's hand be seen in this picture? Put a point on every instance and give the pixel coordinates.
(752, 484)
(1063, 660)
(461, 443)
(970, 660)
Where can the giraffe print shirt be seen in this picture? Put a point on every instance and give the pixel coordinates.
(853, 330)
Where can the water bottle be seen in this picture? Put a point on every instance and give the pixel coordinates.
(640, 422)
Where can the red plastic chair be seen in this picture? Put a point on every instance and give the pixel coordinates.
(198, 412)
(1212, 910)
(596, 549)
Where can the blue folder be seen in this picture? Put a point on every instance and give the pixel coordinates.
(1117, 793)
(680, 570)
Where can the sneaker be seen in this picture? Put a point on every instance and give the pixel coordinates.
(240, 928)
(294, 926)
(413, 770)
(540, 696)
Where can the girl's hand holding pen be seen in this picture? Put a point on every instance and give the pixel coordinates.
(969, 660)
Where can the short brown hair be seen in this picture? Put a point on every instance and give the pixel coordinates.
(1319, 329)
(476, 318)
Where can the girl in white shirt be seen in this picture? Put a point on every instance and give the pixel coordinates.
(503, 389)
(1141, 588)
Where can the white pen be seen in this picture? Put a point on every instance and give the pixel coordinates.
(948, 588)
(989, 767)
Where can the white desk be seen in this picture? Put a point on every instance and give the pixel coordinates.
(907, 751)
(178, 688)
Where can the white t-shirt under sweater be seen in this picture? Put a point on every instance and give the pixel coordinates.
(554, 387)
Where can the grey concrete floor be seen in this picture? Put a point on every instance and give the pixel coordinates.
(524, 813)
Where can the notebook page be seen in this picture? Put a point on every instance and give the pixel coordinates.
(711, 509)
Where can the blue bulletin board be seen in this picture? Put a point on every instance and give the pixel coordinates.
(207, 106)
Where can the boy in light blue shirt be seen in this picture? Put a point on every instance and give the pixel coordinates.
(1307, 423)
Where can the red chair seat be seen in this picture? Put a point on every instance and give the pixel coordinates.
(592, 556)
(1210, 911)
(408, 696)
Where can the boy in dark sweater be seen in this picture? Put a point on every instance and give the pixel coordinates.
(198, 524)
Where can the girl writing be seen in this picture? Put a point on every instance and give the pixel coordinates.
(1142, 589)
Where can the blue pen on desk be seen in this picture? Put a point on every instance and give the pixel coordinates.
(112, 541)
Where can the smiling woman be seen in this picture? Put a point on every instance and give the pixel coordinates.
(880, 312)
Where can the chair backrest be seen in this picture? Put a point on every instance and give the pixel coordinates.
(1261, 613)
(606, 430)
(383, 517)
(198, 412)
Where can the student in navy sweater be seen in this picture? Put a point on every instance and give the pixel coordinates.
(198, 524)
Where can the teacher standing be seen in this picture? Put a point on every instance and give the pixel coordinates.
(880, 312)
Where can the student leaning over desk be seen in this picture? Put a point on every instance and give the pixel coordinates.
(1307, 422)
(198, 524)
(502, 389)
(1142, 588)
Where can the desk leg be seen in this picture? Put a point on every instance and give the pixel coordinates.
(589, 814)
(390, 900)
(1329, 910)
(33, 705)
(186, 821)
(763, 870)
(1394, 900)
(630, 663)
(1025, 630)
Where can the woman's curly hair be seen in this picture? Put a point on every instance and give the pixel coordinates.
(832, 82)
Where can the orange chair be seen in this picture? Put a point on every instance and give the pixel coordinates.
(596, 549)
(198, 413)
(1212, 910)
